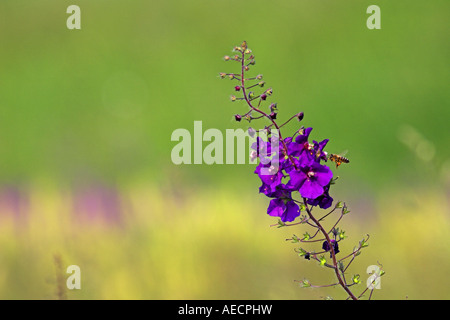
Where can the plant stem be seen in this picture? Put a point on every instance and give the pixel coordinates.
(285, 149)
(333, 255)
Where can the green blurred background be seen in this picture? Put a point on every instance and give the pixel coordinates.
(86, 117)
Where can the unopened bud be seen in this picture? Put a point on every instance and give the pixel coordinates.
(237, 88)
(237, 117)
(300, 116)
(261, 83)
(263, 96)
(273, 107)
(251, 132)
(269, 91)
(305, 283)
(251, 94)
(233, 98)
(222, 75)
(273, 115)
(259, 76)
(226, 58)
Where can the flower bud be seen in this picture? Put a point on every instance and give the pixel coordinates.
(237, 88)
(259, 76)
(251, 132)
(300, 116)
(246, 68)
(237, 117)
(305, 283)
(334, 243)
(226, 58)
(273, 115)
(263, 96)
(251, 95)
(261, 83)
(233, 98)
(269, 91)
(222, 75)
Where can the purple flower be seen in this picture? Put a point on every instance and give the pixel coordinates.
(280, 191)
(318, 150)
(270, 175)
(326, 246)
(297, 147)
(285, 209)
(310, 179)
(263, 149)
(324, 201)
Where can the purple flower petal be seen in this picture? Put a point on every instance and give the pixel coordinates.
(311, 189)
(292, 212)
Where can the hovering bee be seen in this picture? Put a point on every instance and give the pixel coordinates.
(338, 159)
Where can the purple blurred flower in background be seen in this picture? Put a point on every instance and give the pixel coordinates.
(97, 203)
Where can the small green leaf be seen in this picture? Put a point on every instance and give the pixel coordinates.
(322, 260)
(306, 236)
(302, 252)
(333, 181)
(305, 283)
(341, 266)
(340, 204)
(363, 243)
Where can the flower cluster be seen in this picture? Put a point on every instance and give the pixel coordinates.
(293, 171)
(299, 169)
(296, 164)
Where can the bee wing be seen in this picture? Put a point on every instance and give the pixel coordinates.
(343, 153)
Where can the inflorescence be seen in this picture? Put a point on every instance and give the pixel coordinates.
(293, 172)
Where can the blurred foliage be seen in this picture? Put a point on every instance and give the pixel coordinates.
(97, 106)
(205, 244)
